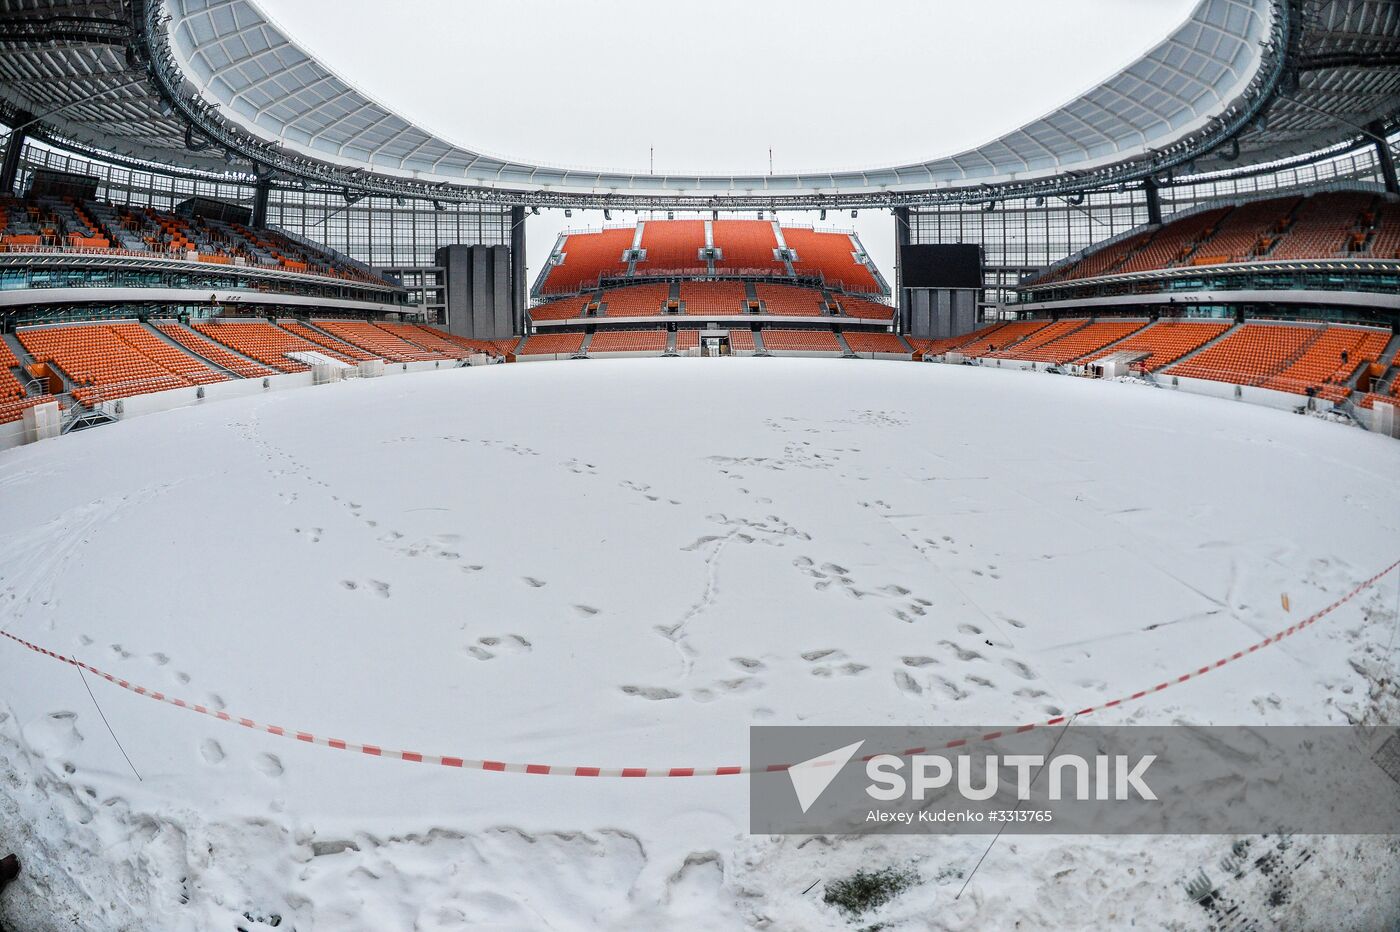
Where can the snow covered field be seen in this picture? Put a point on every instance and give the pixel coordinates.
(626, 564)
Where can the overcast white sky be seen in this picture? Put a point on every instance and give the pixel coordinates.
(712, 86)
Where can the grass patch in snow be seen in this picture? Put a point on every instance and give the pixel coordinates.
(866, 890)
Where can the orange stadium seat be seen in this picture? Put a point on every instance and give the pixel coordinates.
(831, 256)
(1322, 367)
(264, 342)
(215, 353)
(587, 256)
(747, 244)
(100, 365)
(1167, 341)
(672, 245)
(711, 298)
(312, 335)
(1250, 354)
(1082, 341)
(800, 341)
(636, 300)
(552, 344)
(381, 343)
(867, 310)
(862, 342)
(562, 309)
(789, 300)
(628, 341)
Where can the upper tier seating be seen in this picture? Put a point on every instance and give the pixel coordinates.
(1167, 341)
(101, 365)
(588, 256)
(264, 342)
(636, 300)
(747, 244)
(672, 245)
(552, 343)
(312, 335)
(213, 352)
(830, 255)
(710, 298)
(866, 310)
(790, 301)
(861, 342)
(68, 223)
(1249, 355)
(1326, 225)
(1248, 232)
(1082, 341)
(800, 340)
(1323, 227)
(676, 249)
(381, 343)
(628, 341)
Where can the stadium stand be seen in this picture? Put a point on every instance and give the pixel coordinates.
(552, 344)
(628, 341)
(563, 309)
(1033, 342)
(790, 301)
(829, 255)
(13, 397)
(947, 344)
(262, 341)
(1246, 232)
(1330, 361)
(213, 352)
(426, 338)
(823, 341)
(1004, 336)
(312, 335)
(710, 298)
(742, 340)
(588, 256)
(1383, 240)
(166, 356)
(1173, 242)
(372, 339)
(636, 300)
(1082, 341)
(867, 310)
(100, 365)
(1323, 227)
(1250, 354)
(687, 340)
(1167, 341)
(673, 245)
(747, 244)
(70, 224)
(862, 342)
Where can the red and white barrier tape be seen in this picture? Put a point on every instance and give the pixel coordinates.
(570, 771)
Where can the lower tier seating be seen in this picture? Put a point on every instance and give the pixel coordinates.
(12, 409)
(100, 365)
(1330, 360)
(861, 342)
(1167, 341)
(215, 353)
(372, 339)
(1250, 354)
(628, 341)
(1083, 341)
(264, 342)
(552, 343)
(711, 298)
(166, 356)
(312, 335)
(425, 337)
(1031, 345)
(823, 341)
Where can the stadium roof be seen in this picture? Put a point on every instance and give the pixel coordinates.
(209, 84)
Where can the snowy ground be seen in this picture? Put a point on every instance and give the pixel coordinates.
(627, 563)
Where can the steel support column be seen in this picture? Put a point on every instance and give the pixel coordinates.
(517, 259)
(1385, 157)
(9, 168)
(1154, 202)
(260, 195)
(901, 238)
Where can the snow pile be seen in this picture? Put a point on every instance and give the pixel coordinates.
(627, 563)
